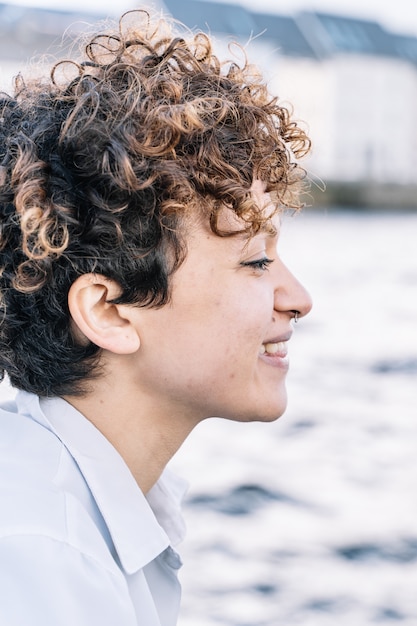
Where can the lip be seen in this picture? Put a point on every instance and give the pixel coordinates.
(278, 360)
(286, 337)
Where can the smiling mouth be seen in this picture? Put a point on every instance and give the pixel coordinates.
(274, 349)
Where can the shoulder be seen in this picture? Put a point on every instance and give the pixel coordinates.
(43, 494)
(32, 514)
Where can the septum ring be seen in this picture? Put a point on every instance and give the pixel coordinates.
(296, 314)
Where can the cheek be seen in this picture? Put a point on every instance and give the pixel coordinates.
(234, 337)
(225, 323)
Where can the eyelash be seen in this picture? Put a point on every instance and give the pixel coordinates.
(258, 264)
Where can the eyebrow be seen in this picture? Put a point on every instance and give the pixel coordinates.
(270, 230)
(267, 229)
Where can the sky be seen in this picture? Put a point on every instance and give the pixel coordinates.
(395, 15)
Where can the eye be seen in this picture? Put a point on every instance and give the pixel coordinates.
(258, 264)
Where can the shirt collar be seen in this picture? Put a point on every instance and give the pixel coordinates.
(141, 527)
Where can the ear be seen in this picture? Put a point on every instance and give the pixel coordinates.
(105, 324)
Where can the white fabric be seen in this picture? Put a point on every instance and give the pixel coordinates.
(80, 545)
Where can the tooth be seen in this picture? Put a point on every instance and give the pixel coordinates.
(272, 348)
(262, 349)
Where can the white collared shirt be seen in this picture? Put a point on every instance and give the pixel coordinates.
(80, 545)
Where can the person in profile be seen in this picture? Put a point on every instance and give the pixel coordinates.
(141, 292)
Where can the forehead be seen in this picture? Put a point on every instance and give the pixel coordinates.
(201, 239)
(263, 222)
(270, 222)
(265, 210)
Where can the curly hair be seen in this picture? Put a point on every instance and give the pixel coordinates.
(101, 163)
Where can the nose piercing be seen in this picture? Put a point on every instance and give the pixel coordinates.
(296, 314)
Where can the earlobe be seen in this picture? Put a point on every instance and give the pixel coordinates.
(105, 324)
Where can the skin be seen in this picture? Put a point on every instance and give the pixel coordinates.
(167, 369)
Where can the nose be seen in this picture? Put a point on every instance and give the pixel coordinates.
(290, 295)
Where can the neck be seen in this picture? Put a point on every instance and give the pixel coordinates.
(145, 434)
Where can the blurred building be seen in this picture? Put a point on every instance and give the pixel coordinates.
(353, 82)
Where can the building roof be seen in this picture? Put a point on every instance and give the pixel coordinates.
(285, 32)
(27, 31)
(406, 47)
(215, 17)
(334, 34)
(306, 34)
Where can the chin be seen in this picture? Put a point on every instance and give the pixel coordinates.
(270, 416)
(260, 406)
(267, 413)
(271, 410)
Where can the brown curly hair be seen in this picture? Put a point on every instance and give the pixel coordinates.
(101, 163)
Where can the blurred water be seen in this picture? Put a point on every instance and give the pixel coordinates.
(312, 520)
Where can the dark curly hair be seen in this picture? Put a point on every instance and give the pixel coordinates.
(100, 166)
